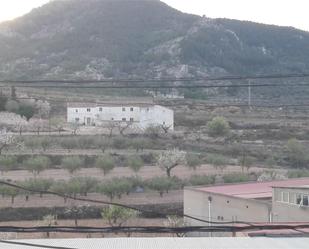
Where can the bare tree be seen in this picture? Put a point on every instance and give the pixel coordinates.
(50, 220)
(166, 128)
(58, 123)
(74, 127)
(122, 127)
(170, 159)
(6, 140)
(111, 126)
(174, 221)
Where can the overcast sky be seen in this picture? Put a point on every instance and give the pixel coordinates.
(279, 12)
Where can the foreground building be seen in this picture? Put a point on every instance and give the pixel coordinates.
(140, 115)
(273, 201)
(164, 243)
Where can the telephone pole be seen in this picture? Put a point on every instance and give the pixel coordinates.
(249, 94)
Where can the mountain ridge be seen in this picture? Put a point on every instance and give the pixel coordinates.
(96, 39)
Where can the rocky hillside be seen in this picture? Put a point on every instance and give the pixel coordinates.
(103, 38)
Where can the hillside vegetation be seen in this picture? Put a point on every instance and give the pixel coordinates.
(103, 39)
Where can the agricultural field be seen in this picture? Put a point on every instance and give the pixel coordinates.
(211, 144)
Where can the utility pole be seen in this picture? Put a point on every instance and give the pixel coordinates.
(209, 214)
(249, 94)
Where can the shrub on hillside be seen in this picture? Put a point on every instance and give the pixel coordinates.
(218, 126)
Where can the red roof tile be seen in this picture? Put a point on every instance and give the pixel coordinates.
(254, 190)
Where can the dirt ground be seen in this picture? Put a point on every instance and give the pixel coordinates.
(146, 172)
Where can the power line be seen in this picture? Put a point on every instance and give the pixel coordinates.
(113, 204)
(153, 229)
(214, 104)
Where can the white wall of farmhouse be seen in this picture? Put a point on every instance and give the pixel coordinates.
(141, 116)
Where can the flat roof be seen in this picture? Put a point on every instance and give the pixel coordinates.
(254, 190)
(168, 243)
(114, 103)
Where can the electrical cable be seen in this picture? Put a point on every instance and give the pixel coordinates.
(153, 229)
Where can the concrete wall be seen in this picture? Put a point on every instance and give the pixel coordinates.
(142, 116)
(285, 206)
(223, 208)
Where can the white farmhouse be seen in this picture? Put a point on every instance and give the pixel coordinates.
(140, 115)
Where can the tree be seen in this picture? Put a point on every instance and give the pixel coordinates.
(9, 191)
(138, 144)
(218, 126)
(170, 159)
(245, 161)
(60, 187)
(26, 111)
(111, 126)
(74, 127)
(102, 143)
(217, 161)
(6, 140)
(12, 106)
(32, 143)
(76, 212)
(106, 163)
(49, 220)
(7, 163)
(116, 187)
(85, 184)
(72, 164)
(69, 143)
(37, 164)
(44, 142)
(160, 184)
(58, 123)
(271, 162)
(43, 108)
(153, 131)
(3, 100)
(117, 216)
(40, 185)
(135, 163)
(193, 161)
(166, 128)
(175, 221)
(122, 127)
(297, 155)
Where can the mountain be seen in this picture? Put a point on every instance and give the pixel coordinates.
(97, 39)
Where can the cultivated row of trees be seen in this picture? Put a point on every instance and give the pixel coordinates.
(112, 188)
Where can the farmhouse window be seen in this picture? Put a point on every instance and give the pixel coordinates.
(123, 109)
(88, 110)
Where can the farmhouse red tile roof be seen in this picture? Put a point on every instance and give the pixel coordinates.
(254, 190)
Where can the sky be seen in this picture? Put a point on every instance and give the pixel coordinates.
(279, 12)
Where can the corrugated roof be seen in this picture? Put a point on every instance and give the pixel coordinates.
(171, 243)
(254, 190)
